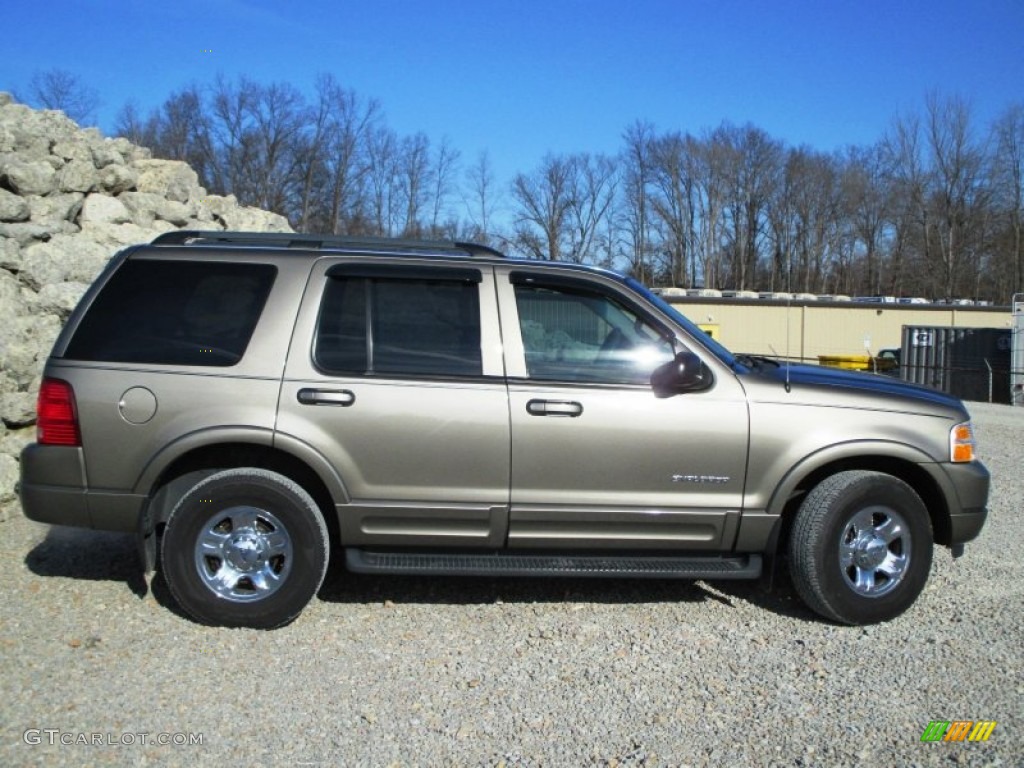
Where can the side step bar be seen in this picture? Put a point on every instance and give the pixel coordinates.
(514, 564)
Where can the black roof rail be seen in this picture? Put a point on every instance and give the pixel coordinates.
(316, 242)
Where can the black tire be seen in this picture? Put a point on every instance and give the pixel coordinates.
(860, 549)
(245, 548)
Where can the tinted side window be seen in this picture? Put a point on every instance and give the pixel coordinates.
(175, 313)
(577, 335)
(423, 327)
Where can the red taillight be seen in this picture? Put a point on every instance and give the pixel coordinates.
(56, 416)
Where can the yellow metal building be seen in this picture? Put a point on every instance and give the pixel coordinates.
(808, 329)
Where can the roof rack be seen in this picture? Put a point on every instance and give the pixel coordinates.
(321, 242)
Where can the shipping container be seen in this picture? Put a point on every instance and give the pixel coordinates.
(971, 363)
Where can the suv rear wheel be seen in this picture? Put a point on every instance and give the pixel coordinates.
(861, 547)
(245, 548)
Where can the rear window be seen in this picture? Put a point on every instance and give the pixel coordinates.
(174, 313)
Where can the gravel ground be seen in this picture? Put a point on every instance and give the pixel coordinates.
(401, 671)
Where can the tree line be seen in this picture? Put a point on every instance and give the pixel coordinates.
(933, 208)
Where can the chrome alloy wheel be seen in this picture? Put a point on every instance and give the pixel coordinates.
(874, 551)
(243, 554)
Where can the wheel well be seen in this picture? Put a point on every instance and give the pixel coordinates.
(190, 468)
(906, 471)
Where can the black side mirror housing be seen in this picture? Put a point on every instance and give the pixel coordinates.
(686, 373)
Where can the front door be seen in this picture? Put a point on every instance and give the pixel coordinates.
(597, 460)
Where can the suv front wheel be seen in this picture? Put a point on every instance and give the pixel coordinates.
(861, 547)
(245, 548)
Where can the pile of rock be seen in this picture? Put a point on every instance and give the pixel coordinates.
(69, 199)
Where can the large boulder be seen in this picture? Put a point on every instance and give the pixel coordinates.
(254, 219)
(59, 298)
(115, 179)
(28, 178)
(142, 205)
(99, 208)
(170, 179)
(55, 207)
(61, 259)
(10, 255)
(13, 207)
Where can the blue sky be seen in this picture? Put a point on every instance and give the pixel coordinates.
(523, 78)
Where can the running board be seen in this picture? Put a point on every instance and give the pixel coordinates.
(513, 564)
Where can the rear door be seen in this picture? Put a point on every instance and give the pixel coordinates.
(390, 379)
(597, 460)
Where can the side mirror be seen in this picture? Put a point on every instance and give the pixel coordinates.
(686, 373)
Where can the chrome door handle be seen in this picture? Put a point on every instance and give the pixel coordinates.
(342, 397)
(554, 408)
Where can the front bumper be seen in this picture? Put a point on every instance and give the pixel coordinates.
(971, 483)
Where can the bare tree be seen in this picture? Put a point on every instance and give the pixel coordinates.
(636, 180)
(347, 159)
(672, 201)
(414, 180)
(231, 142)
(710, 161)
(278, 116)
(959, 191)
(481, 197)
(782, 228)
(754, 168)
(140, 130)
(1008, 178)
(814, 181)
(544, 198)
(183, 133)
(930, 209)
(309, 152)
(60, 89)
(592, 187)
(907, 180)
(382, 173)
(864, 208)
(443, 173)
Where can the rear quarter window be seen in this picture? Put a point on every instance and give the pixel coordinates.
(174, 313)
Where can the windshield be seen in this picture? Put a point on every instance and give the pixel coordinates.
(699, 336)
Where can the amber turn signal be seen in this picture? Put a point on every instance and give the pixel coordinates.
(961, 443)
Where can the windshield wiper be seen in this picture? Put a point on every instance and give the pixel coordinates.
(756, 361)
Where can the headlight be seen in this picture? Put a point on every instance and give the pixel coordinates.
(961, 443)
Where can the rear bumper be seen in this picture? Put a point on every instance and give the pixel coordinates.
(53, 490)
(52, 485)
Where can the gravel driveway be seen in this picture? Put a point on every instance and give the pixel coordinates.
(403, 671)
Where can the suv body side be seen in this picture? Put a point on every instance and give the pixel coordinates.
(459, 402)
(483, 472)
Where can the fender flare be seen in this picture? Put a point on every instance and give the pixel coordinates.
(852, 450)
(264, 438)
